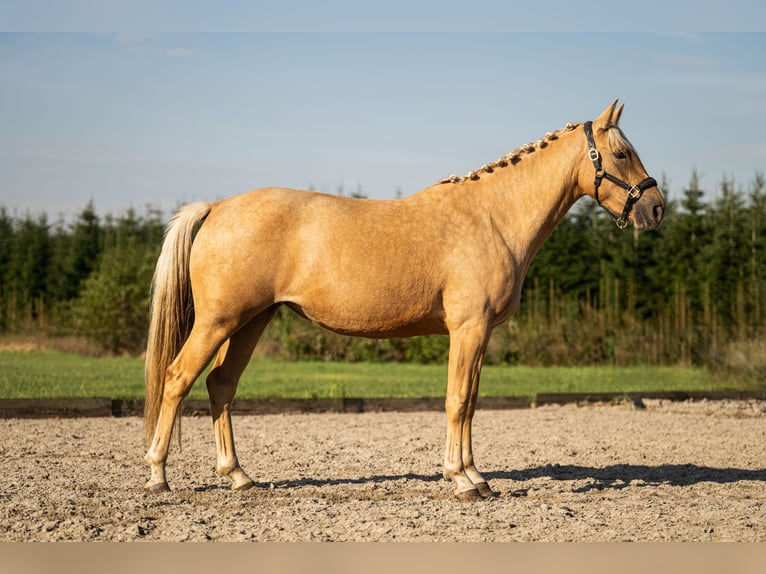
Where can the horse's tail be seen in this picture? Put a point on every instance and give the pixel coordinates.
(172, 307)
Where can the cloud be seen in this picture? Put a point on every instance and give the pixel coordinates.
(686, 60)
(133, 39)
(686, 37)
(757, 151)
(152, 44)
(179, 52)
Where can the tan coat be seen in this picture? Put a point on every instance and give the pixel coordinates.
(450, 259)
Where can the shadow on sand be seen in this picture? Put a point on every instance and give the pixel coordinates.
(621, 476)
(614, 477)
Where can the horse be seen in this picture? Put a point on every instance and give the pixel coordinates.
(450, 259)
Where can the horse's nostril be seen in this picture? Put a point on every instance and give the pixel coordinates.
(658, 212)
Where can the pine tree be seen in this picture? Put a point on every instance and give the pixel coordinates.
(757, 244)
(727, 256)
(6, 246)
(687, 237)
(85, 247)
(28, 269)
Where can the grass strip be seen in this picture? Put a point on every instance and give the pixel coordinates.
(51, 374)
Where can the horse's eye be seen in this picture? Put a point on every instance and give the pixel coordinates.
(620, 155)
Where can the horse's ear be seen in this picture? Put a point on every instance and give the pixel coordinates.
(617, 114)
(606, 118)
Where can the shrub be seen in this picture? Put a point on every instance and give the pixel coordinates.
(112, 309)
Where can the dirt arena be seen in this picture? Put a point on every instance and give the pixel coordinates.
(672, 471)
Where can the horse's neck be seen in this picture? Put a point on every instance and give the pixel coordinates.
(529, 199)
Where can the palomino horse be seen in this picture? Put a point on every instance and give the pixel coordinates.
(450, 259)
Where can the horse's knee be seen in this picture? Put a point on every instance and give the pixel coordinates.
(456, 409)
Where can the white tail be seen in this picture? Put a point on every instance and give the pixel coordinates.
(172, 308)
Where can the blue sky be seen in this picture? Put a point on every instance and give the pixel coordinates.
(128, 120)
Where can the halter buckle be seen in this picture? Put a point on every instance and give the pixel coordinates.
(634, 192)
(593, 154)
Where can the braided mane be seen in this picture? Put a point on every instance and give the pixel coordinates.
(515, 156)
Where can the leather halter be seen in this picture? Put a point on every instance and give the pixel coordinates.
(634, 191)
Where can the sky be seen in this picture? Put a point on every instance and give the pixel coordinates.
(130, 120)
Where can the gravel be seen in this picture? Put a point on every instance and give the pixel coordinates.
(692, 471)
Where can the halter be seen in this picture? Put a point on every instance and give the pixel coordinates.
(634, 191)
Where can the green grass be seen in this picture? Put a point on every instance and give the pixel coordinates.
(51, 374)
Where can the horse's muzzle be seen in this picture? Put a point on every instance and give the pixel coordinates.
(649, 216)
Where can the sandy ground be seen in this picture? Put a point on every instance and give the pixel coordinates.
(672, 471)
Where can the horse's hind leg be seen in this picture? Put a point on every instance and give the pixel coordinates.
(183, 371)
(222, 382)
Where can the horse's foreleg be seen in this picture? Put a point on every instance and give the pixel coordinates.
(467, 347)
(221, 387)
(478, 480)
(183, 371)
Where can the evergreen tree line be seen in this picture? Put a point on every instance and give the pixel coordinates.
(691, 292)
(89, 278)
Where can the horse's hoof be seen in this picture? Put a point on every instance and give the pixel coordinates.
(240, 480)
(469, 496)
(244, 486)
(485, 491)
(156, 487)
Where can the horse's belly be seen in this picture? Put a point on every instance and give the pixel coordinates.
(374, 318)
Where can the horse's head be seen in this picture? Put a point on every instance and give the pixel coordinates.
(612, 173)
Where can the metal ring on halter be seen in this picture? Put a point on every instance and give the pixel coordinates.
(635, 192)
(593, 154)
(621, 222)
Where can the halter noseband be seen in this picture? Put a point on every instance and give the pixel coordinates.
(634, 191)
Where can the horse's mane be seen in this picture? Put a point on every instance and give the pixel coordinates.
(511, 158)
(617, 142)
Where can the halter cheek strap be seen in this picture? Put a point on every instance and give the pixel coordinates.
(634, 191)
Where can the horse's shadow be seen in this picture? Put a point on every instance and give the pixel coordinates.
(615, 477)
(299, 482)
(620, 476)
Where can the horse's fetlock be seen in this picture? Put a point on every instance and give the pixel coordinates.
(450, 471)
(225, 469)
